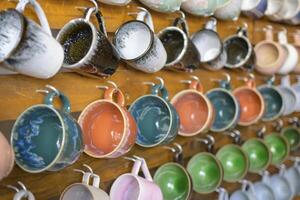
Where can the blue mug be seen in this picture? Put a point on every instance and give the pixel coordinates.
(157, 120)
(46, 138)
(255, 8)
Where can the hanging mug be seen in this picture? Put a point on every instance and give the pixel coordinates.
(228, 9)
(26, 47)
(199, 7)
(247, 192)
(255, 9)
(116, 2)
(22, 193)
(165, 6)
(296, 87)
(297, 46)
(7, 157)
(292, 133)
(273, 8)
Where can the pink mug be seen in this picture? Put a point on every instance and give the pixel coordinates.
(7, 157)
(131, 186)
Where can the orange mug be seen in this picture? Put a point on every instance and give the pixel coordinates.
(109, 130)
(7, 157)
(195, 111)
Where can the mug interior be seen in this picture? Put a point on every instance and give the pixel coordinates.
(267, 55)
(193, 112)
(77, 38)
(174, 181)
(250, 104)
(77, 191)
(37, 137)
(278, 147)
(153, 117)
(125, 187)
(133, 39)
(103, 125)
(237, 49)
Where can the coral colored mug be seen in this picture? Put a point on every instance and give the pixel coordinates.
(7, 157)
(108, 128)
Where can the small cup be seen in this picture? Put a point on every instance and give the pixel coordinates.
(7, 157)
(234, 161)
(254, 9)
(292, 134)
(138, 46)
(251, 103)
(199, 7)
(297, 46)
(292, 176)
(273, 8)
(46, 138)
(165, 6)
(279, 148)
(263, 191)
(131, 186)
(194, 109)
(157, 120)
(270, 54)
(182, 54)
(247, 192)
(87, 49)
(228, 9)
(292, 16)
(116, 2)
(116, 125)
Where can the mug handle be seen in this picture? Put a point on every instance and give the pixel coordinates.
(242, 31)
(24, 195)
(251, 83)
(86, 178)
(49, 98)
(136, 167)
(145, 16)
(225, 85)
(248, 186)
(269, 34)
(223, 194)
(146, 171)
(160, 88)
(285, 81)
(196, 85)
(182, 23)
(38, 10)
(211, 24)
(87, 16)
(282, 37)
(109, 95)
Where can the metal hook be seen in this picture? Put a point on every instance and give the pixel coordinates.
(278, 124)
(185, 81)
(22, 185)
(130, 158)
(113, 84)
(149, 83)
(79, 170)
(162, 82)
(179, 147)
(181, 13)
(95, 2)
(261, 132)
(13, 188)
(228, 77)
(196, 78)
(89, 168)
(53, 89)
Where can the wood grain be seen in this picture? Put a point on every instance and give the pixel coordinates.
(18, 93)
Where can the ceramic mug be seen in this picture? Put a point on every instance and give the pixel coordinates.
(116, 125)
(116, 2)
(296, 87)
(292, 134)
(234, 161)
(255, 9)
(228, 9)
(157, 120)
(273, 102)
(270, 54)
(263, 191)
(291, 52)
(84, 190)
(182, 54)
(46, 138)
(199, 7)
(226, 107)
(138, 46)
(290, 98)
(292, 176)
(22, 193)
(165, 6)
(26, 47)
(206, 172)
(297, 46)
(7, 157)
(131, 186)
(251, 103)
(258, 154)
(296, 176)
(273, 8)
(87, 49)
(247, 192)
(238, 49)
(194, 109)
(292, 15)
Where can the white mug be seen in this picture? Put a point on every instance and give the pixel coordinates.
(246, 193)
(37, 54)
(116, 2)
(274, 8)
(228, 10)
(255, 8)
(292, 175)
(199, 7)
(165, 6)
(296, 88)
(263, 191)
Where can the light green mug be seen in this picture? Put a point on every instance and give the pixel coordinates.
(165, 6)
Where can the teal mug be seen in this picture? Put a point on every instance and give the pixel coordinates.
(46, 138)
(157, 120)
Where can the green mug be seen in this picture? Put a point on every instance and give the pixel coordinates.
(292, 134)
(279, 148)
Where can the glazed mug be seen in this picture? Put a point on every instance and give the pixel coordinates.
(22, 193)
(255, 9)
(84, 190)
(194, 109)
(292, 134)
(263, 191)
(182, 54)
(292, 15)
(157, 120)
(234, 161)
(88, 51)
(199, 7)
(273, 101)
(226, 107)
(270, 54)
(28, 48)
(297, 46)
(296, 87)
(131, 186)
(116, 125)
(165, 6)
(251, 103)
(290, 98)
(273, 8)
(228, 9)
(7, 157)
(296, 166)
(46, 138)
(291, 54)
(138, 46)
(292, 176)
(247, 192)
(116, 2)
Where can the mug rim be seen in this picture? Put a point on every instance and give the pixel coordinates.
(208, 105)
(286, 143)
(125, 126)
(260, 114)
(253, 8)
(13, 132)
(288, 128)
(190, 189)
(236, 114)
(170, 124)
(149, 46)
(92, 47)
(217, 161)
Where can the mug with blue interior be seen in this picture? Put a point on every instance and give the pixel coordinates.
(157, 119)
(46, 138)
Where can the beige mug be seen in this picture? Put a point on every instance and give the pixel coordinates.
(7, 157)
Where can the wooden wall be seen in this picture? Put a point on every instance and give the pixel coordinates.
(18, 92)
